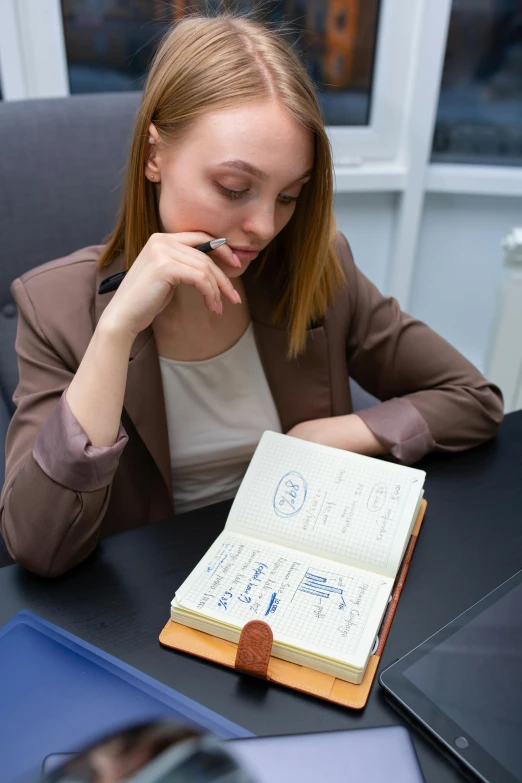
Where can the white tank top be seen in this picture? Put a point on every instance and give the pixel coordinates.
(217, 410)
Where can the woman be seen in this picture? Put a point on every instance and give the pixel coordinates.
(152, 399)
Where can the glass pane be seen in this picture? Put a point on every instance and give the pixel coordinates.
(479, 119)
(110, 42)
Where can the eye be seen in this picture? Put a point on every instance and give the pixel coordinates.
(288, 199)
(233, 194)
(237, 194)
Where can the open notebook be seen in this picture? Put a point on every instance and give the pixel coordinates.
(312, 545)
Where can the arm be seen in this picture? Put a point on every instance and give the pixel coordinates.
(433, 398)
(65, 438)
(347, 432)
(57, 484)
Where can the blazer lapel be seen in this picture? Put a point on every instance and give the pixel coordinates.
(143, 401)
(301, 388)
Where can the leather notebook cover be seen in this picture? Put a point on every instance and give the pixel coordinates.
(324, 686)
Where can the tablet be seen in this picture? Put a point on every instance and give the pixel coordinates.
(57, 693)
(353, 756)
(464, 684)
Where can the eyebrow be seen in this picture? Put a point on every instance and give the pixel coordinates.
(242, 165)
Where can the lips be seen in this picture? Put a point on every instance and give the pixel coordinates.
(245, 255)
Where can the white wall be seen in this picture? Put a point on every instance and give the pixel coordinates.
(368, 222)
(458, 265)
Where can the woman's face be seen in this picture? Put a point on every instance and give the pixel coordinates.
(237, 174)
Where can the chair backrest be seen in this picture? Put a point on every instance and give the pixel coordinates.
(61, 169)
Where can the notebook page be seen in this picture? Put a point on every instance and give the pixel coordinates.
(327, 608)
(328, 502)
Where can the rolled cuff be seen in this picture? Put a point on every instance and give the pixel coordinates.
(399, 426)
(63, 451)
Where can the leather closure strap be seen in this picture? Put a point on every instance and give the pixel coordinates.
(254, 649)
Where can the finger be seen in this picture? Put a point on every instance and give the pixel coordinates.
(189, 238)
(193, 238)
(169, 262)
(186, 254)
(184, 258)
(223, 282)
(180, 272)
(198, 261)
(225, 254)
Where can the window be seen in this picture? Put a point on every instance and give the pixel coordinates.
(479, 118)
(109, 44)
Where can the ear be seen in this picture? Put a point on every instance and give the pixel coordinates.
(150, 153)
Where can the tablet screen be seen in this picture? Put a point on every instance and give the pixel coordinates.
(473, 675)
(352, 756)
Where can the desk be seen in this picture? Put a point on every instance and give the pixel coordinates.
(119, 598)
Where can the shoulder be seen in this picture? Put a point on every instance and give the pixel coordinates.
(344, 255)
(356, 298)
(346, 293)
(57, 298)
(59, 275)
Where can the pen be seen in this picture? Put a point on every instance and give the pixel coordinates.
(112, 282)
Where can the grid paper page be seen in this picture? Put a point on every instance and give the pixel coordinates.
(329, 502)
(309, 602)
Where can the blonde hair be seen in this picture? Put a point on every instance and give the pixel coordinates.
(209, 63)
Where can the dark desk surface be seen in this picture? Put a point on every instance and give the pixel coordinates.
(120, 598)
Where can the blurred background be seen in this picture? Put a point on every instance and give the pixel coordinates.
(423, 101)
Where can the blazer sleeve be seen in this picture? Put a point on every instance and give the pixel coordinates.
(432, 398)
(57, 485)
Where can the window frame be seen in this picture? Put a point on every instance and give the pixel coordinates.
(391, 154)
(42, 72)
(32, 49)
(14, 84)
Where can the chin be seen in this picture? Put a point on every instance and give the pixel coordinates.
(233, 272)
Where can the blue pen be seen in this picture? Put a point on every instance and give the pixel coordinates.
(112, 282)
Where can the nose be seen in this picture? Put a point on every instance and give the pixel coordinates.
(260, 222)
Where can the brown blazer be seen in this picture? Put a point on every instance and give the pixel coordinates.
(61, 493)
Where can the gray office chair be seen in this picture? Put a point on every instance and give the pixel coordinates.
(61, 167)
(61, 170)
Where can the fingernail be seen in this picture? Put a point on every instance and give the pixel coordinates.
(237, 297)
(236, 259)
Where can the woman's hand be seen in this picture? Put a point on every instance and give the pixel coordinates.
(342, 432)
(166, 261)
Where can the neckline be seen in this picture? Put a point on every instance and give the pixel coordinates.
(199, 362)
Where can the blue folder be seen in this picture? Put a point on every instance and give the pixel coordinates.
(58, 693)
